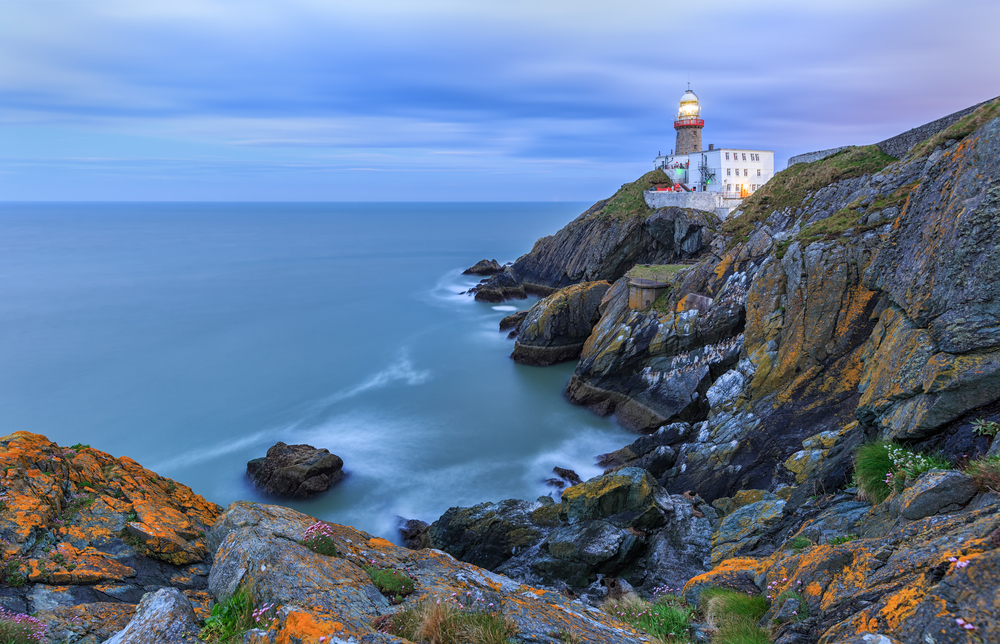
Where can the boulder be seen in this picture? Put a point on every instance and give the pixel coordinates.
(935, 492)
(484, 267)
(500, 287)
(513, 320)
(165, 616)
(556, 327)
(741, 528)
(629, 497)
(295, 471)
(414, 534)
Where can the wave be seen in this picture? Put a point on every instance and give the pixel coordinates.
(400, 370)
(504, 307)
(451, 287)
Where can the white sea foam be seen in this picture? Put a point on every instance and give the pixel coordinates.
(451, 287)
(401, 370)
(504, 307)
(202, 454)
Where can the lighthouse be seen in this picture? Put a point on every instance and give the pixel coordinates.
(688, 124)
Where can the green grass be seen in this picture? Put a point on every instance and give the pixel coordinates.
(629, 201)
(789, 187)
(846, 538)
(798, 544)
(394, 584)
(881, 468)
(803, 610)
(79, 447)
(658, 272)
(668, 618)
(662, 303)
(872, 464)
(230, 619)
(734, 616)
(11, 575)
(959, 129)
(447, 623)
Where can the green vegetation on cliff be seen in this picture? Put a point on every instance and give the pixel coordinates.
(668, 618)
(959, 129)
(791, 187)
(629, 201)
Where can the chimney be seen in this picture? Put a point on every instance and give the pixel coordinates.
(711, 146)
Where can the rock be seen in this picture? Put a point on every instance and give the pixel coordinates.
(163, 616)
(556, 327)
(567, 475)
(98, 621)
(334, 596)
(69, 514)
(484, 267)
(739, 529)
(499, 288)
(868, 638)
(512, 321)
(295, 471)
(414, 534)
(936, 491)
(629, 497)
(487, 534)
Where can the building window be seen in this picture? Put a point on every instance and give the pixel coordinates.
(729, 172)
(746, 172)
(744, 156)
(758, 172)
(727, 156)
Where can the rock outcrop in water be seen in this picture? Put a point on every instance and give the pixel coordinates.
(555, 328)
(484, 267)
(295, 471)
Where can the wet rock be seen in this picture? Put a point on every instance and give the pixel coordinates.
(513, 320)
(295, 471)
(556, 327)
(936, 491)
(629, 497)
(567, 475)
(488, 534)
(414, 534)
(501, 287)
(163, 616)
(484, 267)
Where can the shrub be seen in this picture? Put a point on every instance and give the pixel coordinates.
(986, 473)
(394, 584)
(79, 447)
(668, 617)
(985, 427)
(10, 573)
(734, 616)
(319, 537)
(230, 619)
(448, 623)
(17, 628)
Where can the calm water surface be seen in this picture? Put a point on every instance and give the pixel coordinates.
(191, 337)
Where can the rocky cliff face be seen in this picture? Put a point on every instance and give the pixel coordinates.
(866, 307)
(605, 242)
(555, 328)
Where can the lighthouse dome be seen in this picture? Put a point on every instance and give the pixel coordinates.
(689, 108)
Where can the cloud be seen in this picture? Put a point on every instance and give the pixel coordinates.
(520, 86)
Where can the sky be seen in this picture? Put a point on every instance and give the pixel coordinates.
(453, 100)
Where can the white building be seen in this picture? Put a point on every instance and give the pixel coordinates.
(730, 172)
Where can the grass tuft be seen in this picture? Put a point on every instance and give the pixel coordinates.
(448, 623)
(872, 465)
(986, 473)
(230, 619)
(320, 538)
(667, 619)
(394, 584)
(734, 616)
(17, 628)
(798, 544)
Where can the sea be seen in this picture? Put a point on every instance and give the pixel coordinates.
(193, 336)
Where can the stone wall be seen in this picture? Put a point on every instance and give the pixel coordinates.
(900, 144)
(698, 200)
(809, 157)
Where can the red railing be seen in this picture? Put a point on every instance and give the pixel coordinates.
(690, 123)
